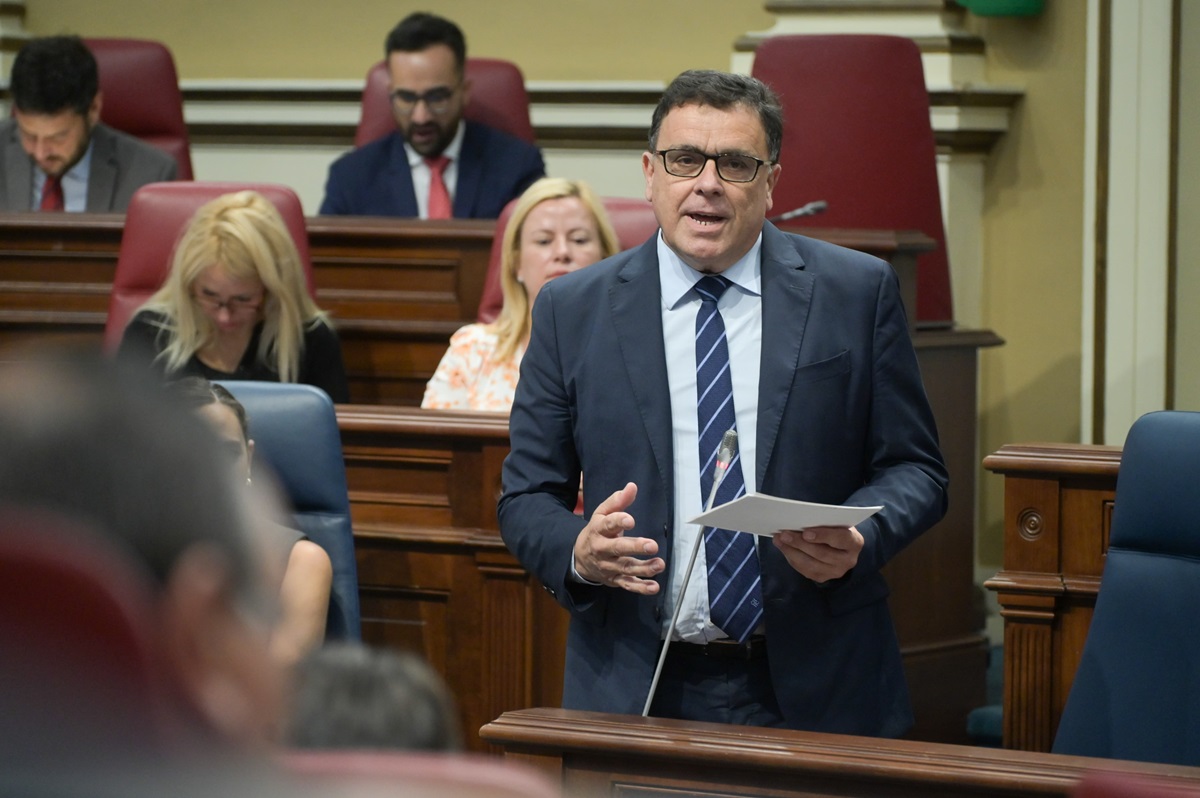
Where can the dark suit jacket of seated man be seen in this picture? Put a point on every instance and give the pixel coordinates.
(841, 418)
(375, 179)
(120, 166)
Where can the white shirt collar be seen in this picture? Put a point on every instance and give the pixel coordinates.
(676, 278)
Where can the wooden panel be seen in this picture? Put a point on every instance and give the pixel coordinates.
(434, 575)
(595, 754)
(1057, 513)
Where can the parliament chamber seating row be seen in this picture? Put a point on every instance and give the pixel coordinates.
(433, 572)
(434, 576)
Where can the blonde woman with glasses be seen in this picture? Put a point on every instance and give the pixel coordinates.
(235, 305)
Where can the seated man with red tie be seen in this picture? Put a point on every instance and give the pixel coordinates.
(436, 165)
(57, 155)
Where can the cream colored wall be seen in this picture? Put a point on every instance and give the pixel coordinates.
(549, 39)
(1187, 284)
(1033, 247)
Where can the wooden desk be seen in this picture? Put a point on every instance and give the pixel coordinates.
(1058, 502)
(434, 576)
(592, 754)
(397, 288)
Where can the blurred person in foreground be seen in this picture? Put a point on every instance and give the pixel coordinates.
(235, 305)
(108, 451)
(307, 573)
(636, 369)
(55, 153)
(557, 226)
(352, 696)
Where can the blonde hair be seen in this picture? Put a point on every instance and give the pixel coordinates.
(513, 323)
(244, 234)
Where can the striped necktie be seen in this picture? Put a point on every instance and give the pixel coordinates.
(734, 581)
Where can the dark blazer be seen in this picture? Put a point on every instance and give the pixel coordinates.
(121, 165)
(843, 419)
(376, 180)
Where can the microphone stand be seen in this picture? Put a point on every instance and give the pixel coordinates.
(729, 443)
(811, 209)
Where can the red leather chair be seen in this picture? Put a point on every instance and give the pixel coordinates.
(857, 135)
(632, 219)
(157, 216)
(80, 666)
(424, 774)
(498, 99)
(141, 95)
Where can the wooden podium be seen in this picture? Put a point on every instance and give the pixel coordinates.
(592, 754)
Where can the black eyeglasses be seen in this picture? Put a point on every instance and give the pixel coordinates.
(732, 167)
(235, 305)
(436, 100)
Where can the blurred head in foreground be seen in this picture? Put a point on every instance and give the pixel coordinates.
(355, 697)
(107, 452)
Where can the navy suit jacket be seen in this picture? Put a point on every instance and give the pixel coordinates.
(121, 164)
(843, 419)
(376, 180)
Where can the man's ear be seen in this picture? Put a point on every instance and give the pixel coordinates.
(466, 90)
(93, 113)
(196, 614)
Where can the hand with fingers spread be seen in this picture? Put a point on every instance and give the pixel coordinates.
(821, 553)
(605, 555)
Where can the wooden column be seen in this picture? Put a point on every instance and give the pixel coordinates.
(1057, 513)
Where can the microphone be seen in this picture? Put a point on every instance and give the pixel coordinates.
(726, 451)
(811, 209)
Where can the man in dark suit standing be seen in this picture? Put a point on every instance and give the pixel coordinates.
(57, 155)
(436, 165)
(637, 365)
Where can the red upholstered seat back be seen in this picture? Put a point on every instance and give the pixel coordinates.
(157, 216)
(141, 95)
(498, 99)
(857, 134)
(80, 664)
(632, 219)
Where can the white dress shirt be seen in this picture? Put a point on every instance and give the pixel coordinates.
(741, 310)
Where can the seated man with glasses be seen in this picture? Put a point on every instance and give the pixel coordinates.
(436, 165)
(235, 305)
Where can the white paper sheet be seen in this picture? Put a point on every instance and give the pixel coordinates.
(760, 514)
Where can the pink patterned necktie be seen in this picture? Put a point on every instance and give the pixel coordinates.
(439, 196)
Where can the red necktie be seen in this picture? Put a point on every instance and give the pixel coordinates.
(52, 195)
(439, 196)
